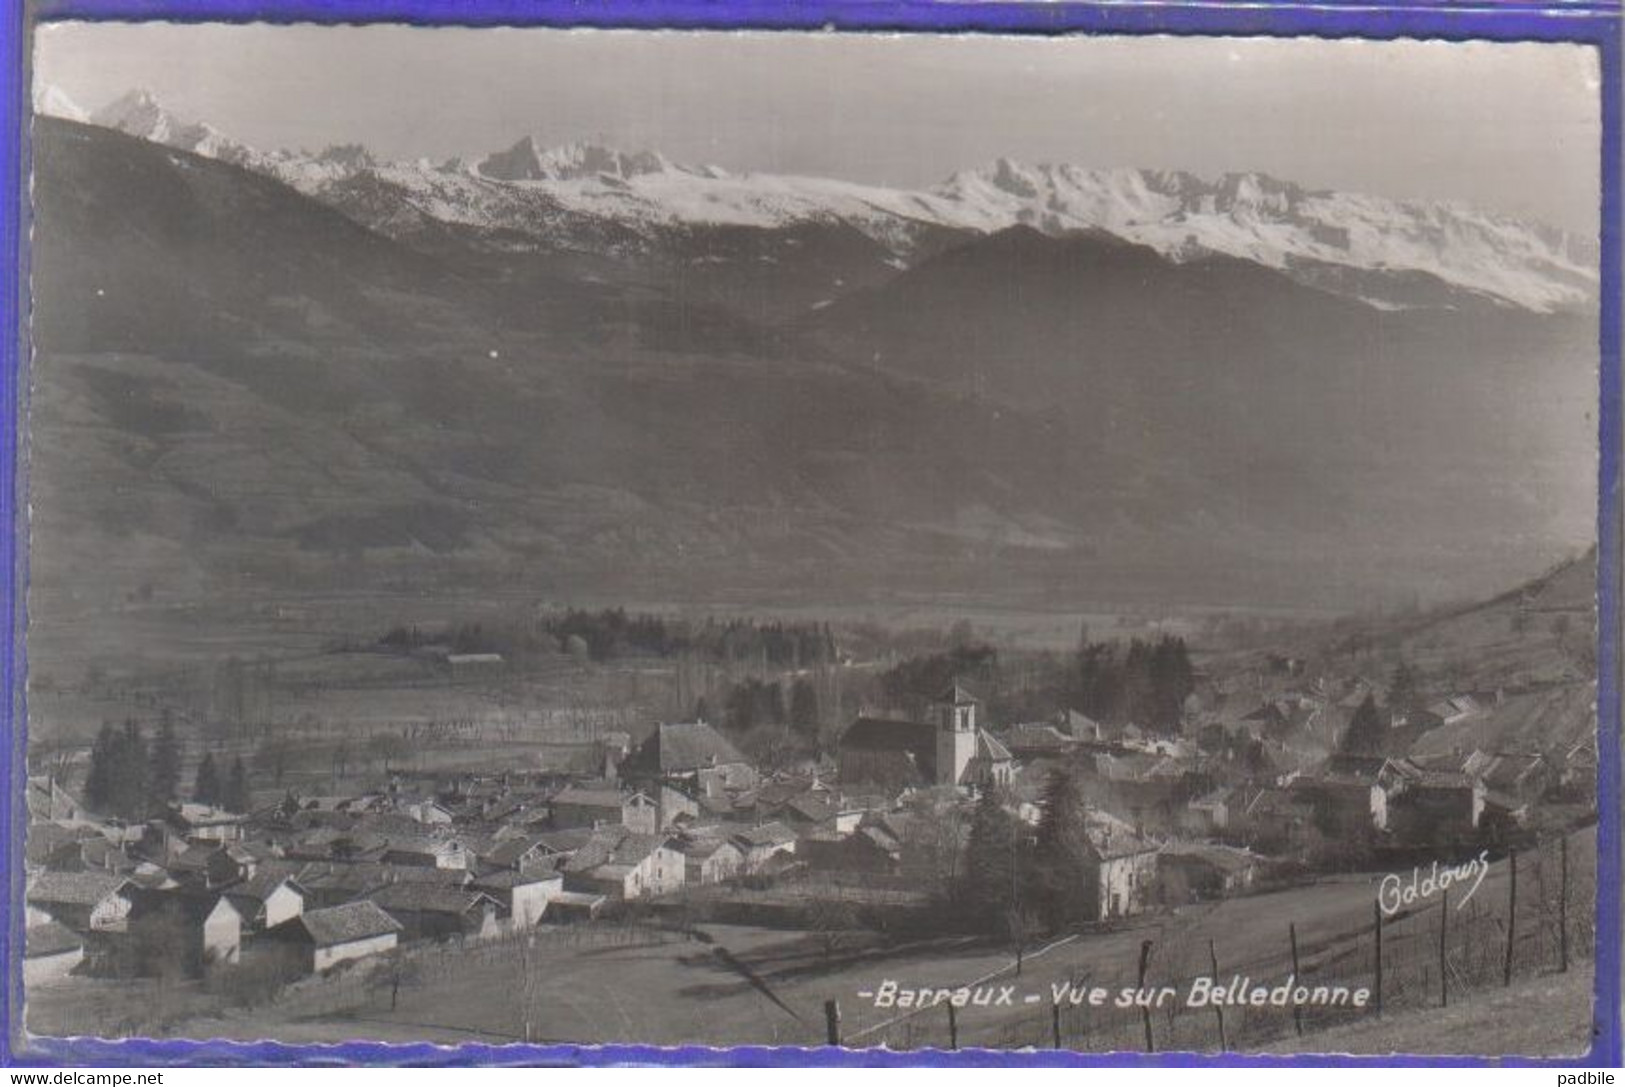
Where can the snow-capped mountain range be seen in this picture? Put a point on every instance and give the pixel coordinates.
(1388, 253)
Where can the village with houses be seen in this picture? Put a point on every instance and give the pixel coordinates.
(936, 819)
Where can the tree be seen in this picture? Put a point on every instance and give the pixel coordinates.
(99, 778)
(164, 776)
(235, 797)
(1364, 735)
(206, 786)
(804, 708)
(130, 792)
(831, 919)
(1402, 692)
(990, 883)
(1062, 869)
(272, 758)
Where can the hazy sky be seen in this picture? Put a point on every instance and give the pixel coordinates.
(1514, 128)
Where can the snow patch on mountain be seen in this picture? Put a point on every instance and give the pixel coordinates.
(1281, 225)
(52, 101)
(589, 195)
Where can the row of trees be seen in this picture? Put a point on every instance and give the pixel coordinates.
(755, 702)
(132, 779)
(614, 632)
(1145, 685)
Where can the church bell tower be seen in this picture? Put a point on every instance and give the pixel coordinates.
(955, 712)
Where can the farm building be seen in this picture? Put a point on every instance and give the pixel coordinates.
(192, 930)
(267, 899)
(523, 895)
(623, 866)
(1518, 774)
(1193, 872)
(426, 853)
(1123, 866)
(203, 823)
(428, 911)
(757, 845)
(710, 859)
(83, 901)
(580, 806)
(693, 753)
(322, 939)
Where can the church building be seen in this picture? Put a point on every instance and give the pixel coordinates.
(951, 749)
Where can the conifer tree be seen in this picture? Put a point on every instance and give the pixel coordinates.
(99, 778)
(804, 708)
(164, 775)
(1402, 692)
(1062, 872)
(991, 877)
(206, 787)
(235, 796)
(1364, 735)
(131, 795)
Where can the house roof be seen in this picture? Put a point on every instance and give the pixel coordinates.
(73, 888)
(1454, 706)
(1225, 857)
(813, 809)
(263, 884)
(1275, 802)
(432, 847)
(43, 839)
(1112, 837)
(1078, 725)
(592, 798)
(766, 834)
(614, 847)
(426, 898)
(1221, 795)
(50, 939)
(1038, 736)
(683, 747)
(203, 815)
(1501, 770)
(957, 694)
(988, 747)
(505, 879)
(705, 847)
(343, 924)
(564, 841)
(889, 734)
(511, 850)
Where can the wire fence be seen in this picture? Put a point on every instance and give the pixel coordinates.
(1432, 953)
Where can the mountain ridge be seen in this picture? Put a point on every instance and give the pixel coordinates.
(575, 196)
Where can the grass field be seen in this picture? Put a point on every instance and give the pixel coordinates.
(744, 985)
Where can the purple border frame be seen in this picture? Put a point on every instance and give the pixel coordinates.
(1592, 22)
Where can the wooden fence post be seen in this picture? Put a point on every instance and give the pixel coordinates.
(1376, 912)
(1563, 905)
(1055, 1022)
(1218, 1009)
(832, 1022)
(1444, 924)
(1145, 1012)
(1297, 1009)
(1512, 920)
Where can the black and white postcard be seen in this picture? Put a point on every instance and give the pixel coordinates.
(889, 540)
